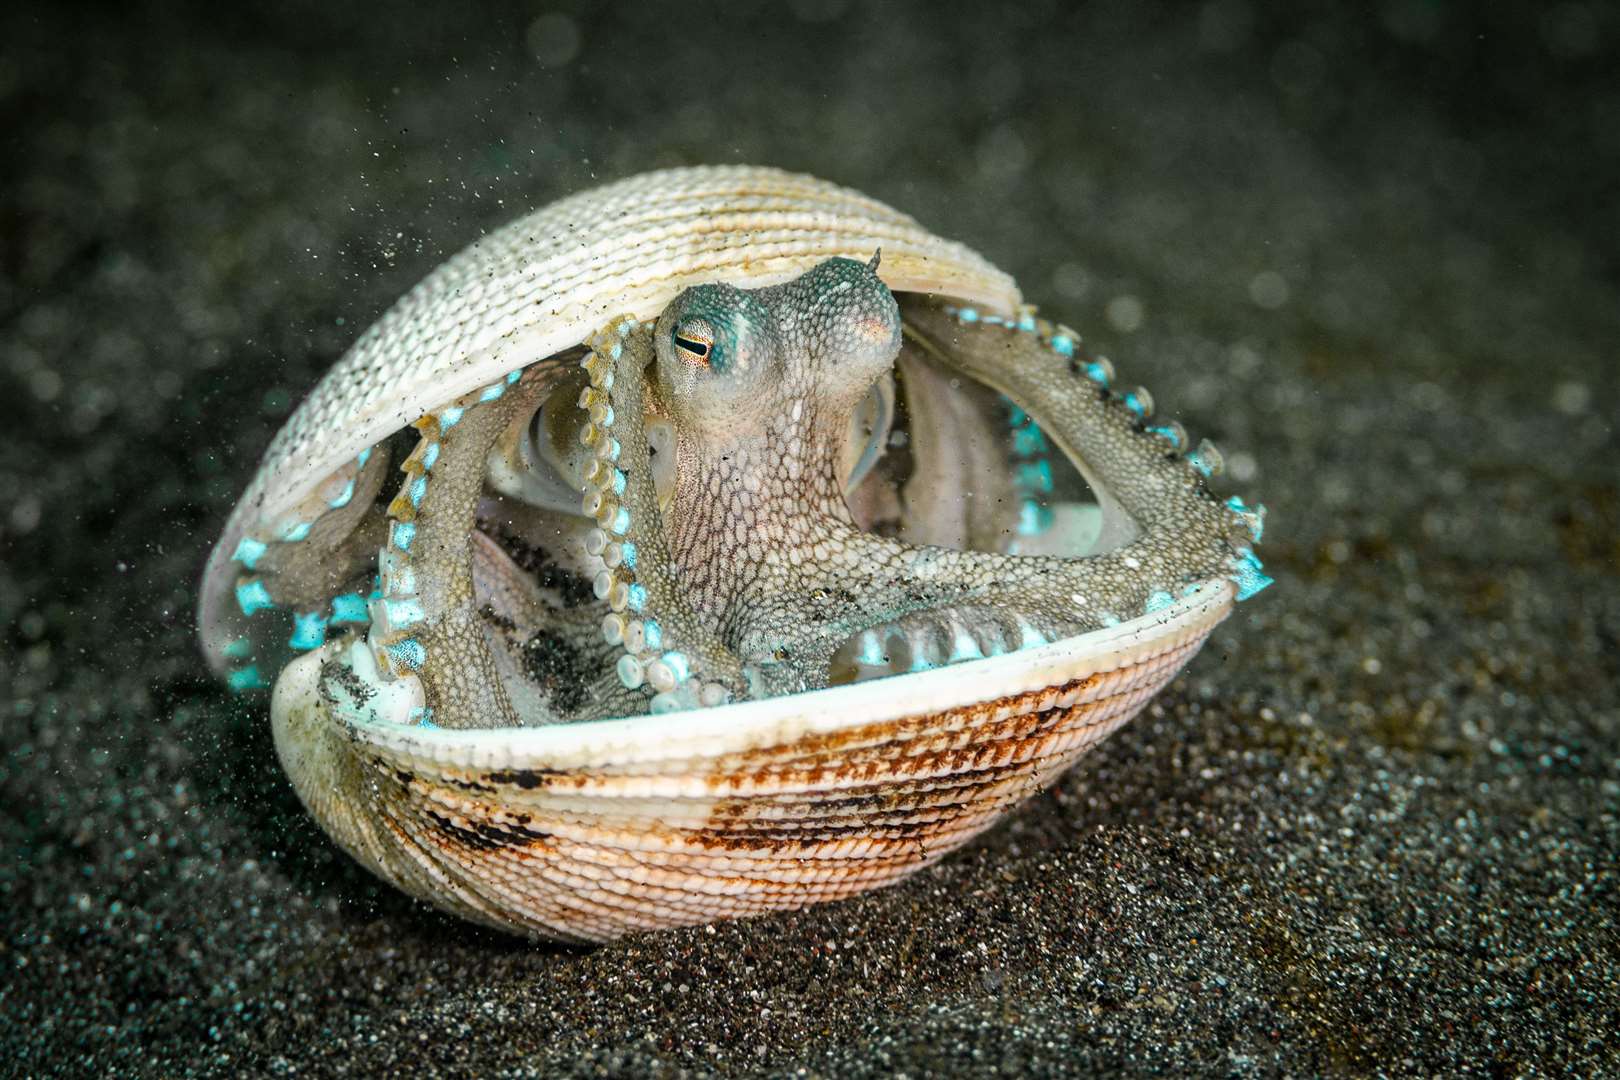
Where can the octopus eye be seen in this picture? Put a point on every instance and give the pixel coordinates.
(695, 341)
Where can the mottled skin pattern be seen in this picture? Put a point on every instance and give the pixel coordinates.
(765, 543)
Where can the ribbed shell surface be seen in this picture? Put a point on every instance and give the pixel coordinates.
(543, 283)
(595, 830)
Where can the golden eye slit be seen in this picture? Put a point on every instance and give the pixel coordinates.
(694, 342)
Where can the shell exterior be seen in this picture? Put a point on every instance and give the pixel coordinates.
(592, 830)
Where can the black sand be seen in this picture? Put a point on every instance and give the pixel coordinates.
(1374, 827)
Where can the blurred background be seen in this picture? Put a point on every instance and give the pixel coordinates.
(1369, 249)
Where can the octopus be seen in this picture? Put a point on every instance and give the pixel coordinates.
(741, 570)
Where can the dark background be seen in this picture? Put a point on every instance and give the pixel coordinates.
(1369, 249)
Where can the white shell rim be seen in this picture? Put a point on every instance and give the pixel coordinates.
(750, 725)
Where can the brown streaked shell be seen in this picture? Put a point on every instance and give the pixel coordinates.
(590, 831)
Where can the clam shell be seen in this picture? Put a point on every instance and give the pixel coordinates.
(593, 830)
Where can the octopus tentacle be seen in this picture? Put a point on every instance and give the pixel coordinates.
(314, 560)
(666, 648)
(1105, 432)
(1186, 534)
(426, 622)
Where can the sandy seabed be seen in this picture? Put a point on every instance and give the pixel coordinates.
(1371, 254)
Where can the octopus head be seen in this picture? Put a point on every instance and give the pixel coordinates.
(730, 361)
